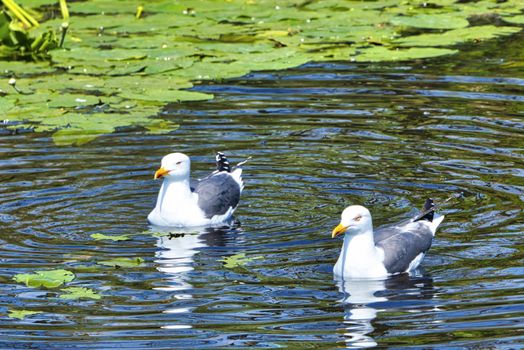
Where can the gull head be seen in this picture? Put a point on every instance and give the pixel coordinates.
(174, 166)
(355, 219)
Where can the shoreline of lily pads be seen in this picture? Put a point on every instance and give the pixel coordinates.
(116, 70)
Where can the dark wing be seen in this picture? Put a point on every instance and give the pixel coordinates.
(222, 162)
(217, 193)
(402, 244)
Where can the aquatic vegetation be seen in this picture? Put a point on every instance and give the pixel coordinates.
(101, 236)
(48, 279)
(14, 38)
(238, 260)
(122, 262)
(119, 64)
(15, 31)
(21, 314)
(79, 293)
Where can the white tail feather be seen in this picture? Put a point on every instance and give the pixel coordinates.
(237, 175)
(437, 220)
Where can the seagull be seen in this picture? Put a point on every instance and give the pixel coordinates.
(185, 203)
(389, 250)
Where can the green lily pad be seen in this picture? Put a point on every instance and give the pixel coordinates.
(101, 236)
(93, 54)
(238, 260)
(72, 100)
(515, 19)
(122, 262)
(432, 21)
(21, 314)
(456, 36)
(164, 95)
(116, 70)
(5, 105)
(79, 293)
(65, 83)
(48, 279)
(19, 69)
(380, 54)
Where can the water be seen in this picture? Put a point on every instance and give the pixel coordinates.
(321, 136)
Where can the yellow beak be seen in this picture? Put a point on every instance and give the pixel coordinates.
(160, 172)
(340, 229)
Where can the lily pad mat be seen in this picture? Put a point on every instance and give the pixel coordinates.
(116, 70)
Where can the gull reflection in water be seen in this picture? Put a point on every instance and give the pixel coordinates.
(175, 258)
(364, 298)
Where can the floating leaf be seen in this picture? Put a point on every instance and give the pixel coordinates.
(5, 105)
(238, 260)
(432, 21)
(515, 19)
(72, 100)
(136, 66)
(48, 279)
(380, 54)
(79, 292)
(101, 236)
(456, 36)
(122, 262)
(95, 54)
(21, 314)
(19, 69)
(164, 95)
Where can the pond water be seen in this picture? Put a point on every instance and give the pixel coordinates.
(321, 137)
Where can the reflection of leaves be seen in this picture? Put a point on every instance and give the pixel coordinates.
(21, 314)
(238, 260)
(101, 236)
(79, 292)
(161, 127)
(122, 262)
(48, 279)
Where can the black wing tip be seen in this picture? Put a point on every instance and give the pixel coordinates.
(429, 204)
(222, 162)
(428, 211)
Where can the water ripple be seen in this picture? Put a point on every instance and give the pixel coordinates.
(321, 137)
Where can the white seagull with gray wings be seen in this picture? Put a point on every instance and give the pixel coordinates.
(394, 249)
(185, 203)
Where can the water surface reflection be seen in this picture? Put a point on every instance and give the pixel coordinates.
(364, 298)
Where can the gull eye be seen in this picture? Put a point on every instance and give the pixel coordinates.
(357, 218)
(178, 163)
